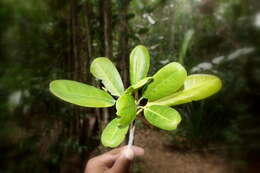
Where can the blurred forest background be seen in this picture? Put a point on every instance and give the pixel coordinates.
(54, 39)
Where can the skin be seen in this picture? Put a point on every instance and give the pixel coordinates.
(115, 161)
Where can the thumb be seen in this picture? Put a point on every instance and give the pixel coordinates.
(123, 163)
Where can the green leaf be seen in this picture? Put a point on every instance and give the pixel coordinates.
(138, 85)
(166, 81)
(142, 82)
(163, 117)
(126, 109)
(129, 90)
(196, 87)
(113, 134)
(103, 69)
(81, 94)
(139, 64)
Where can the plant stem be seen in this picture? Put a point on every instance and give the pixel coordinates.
(139, 111)
(132, 126)
(138, 102)
(131, 135)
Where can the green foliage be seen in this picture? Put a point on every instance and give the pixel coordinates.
(163, 84)
(163, 117)
(104, 69)
(81, 94)
(139, 64)
(35, 47)
(139, 84)
(166, 81)
(196, 87)
(126, 109)
(113, 135)
(142, 82)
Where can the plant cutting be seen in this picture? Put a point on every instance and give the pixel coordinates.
(169, 86)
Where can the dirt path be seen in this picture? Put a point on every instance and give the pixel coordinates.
(161, 159)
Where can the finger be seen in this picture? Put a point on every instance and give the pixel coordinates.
(115, 151)
(138, 151)
(123, 163)
(98, 164)
(106, 160)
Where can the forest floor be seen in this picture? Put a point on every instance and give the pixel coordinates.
(161, 157)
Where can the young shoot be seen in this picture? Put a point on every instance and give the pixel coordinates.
(169, 86)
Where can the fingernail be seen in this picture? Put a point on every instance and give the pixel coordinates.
(128, 153)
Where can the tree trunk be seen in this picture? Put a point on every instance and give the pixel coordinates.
(88, 122)
(123, 41)
(108, 29)
(106, 39)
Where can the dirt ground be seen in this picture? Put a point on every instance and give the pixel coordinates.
(162, 159)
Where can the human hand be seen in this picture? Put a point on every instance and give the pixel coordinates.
(115, 161)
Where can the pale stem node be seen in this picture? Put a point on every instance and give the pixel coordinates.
(131, 135)
(132, 131)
